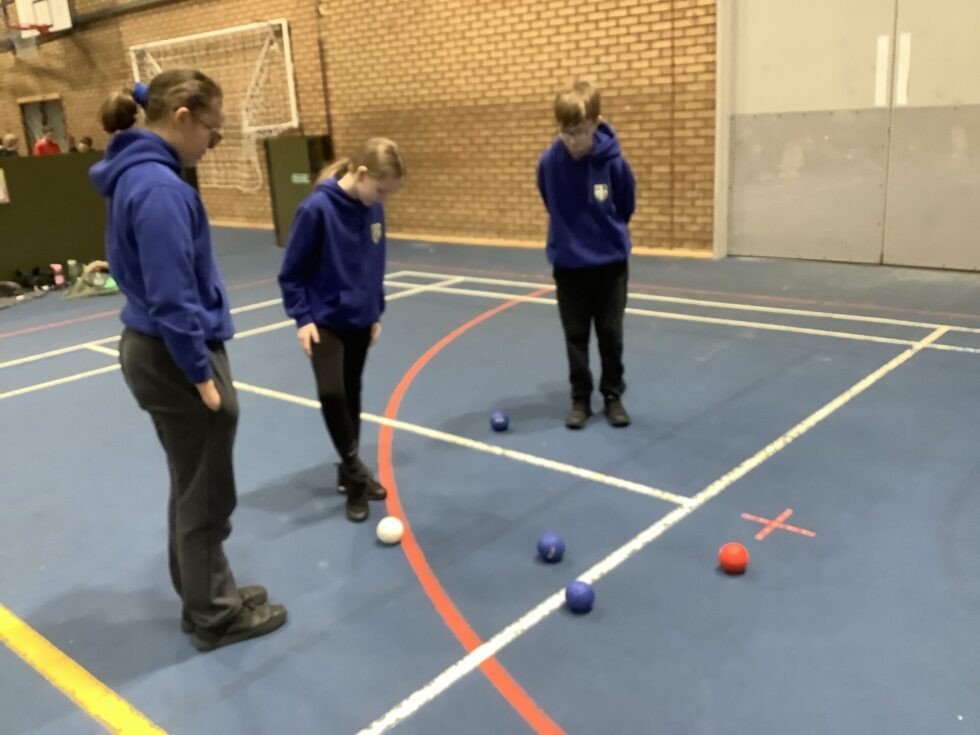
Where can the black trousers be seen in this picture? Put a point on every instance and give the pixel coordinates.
(588, 296)
(198, 443)
(338, 364)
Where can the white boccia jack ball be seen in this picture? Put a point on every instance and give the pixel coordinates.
(390, 530)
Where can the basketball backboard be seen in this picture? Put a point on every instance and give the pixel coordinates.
(53, 13)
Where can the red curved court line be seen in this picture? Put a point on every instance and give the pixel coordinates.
(491, 668)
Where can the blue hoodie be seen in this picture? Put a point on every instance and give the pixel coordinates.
(333, 269)
(158, 244)
(589, 202)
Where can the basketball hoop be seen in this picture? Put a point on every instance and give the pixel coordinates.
(41, 28)
(24, 38)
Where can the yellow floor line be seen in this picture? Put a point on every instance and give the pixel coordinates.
(95, 698)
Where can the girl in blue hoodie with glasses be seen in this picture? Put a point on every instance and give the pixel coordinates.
(332, 281)
(176, 321)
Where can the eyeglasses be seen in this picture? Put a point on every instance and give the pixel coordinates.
(216, 136)
(575, 133)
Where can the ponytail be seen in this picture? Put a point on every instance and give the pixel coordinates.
(335, 170)
(168, 91)
(380, 156)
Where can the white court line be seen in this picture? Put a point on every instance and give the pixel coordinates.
(413, 289)
(55, 353)
(462, 441)
(769, 327)
(263, 330)
(721, 304)
(447, 279)
(256, 306)
(444, 287)
(515, 630)
(115, 338)
(96, 345)
(436, 288)
(765, 326)
(832, 315)
(59, 381)
(102, 350)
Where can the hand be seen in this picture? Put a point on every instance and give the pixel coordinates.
(375, 333)
(308, 334)
(209, 394)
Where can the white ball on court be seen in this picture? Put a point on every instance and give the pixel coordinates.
(390, 530)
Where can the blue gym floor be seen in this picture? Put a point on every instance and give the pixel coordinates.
(868, 626)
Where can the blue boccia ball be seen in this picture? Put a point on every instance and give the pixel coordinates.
(499, 421)
(580, 596)
(551, 548)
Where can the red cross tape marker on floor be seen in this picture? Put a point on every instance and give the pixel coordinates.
(777, 522)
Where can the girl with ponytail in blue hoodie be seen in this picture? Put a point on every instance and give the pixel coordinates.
(589, 193)
(176, 321)
(332, 281)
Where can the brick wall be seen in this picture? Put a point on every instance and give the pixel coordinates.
(88, 64)
(464, 86)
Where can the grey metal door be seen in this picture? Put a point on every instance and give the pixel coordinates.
(933, 194)
(810, 129)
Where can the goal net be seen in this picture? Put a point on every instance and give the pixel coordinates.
(253, 66)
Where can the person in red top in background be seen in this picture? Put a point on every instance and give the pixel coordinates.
(46, 145)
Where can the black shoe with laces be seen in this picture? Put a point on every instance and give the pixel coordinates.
(251, 595)
(615, 413)
(578, 414)
(250, 622)
(355, 482)
(375, 490)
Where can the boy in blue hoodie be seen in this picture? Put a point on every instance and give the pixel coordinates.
(172, 354)
(332, 282)
(589, 193)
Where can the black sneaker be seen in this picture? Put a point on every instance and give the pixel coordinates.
(375, 490)
(355, 484)
(252, 595)
(357, 507)
(251, 622)
(615, 413)
(578, 414)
